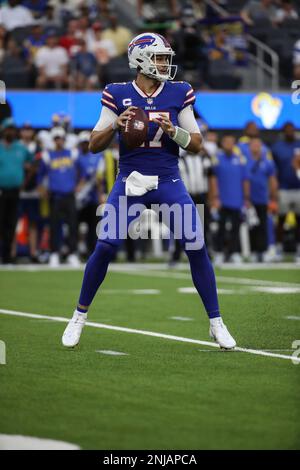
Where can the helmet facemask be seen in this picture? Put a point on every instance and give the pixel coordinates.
(154, 66)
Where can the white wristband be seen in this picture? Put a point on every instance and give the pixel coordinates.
(181, 137)
(114, 125)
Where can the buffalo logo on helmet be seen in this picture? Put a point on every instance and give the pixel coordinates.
(141, 42)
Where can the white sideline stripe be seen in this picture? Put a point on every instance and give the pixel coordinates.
(182, 318)
(292, 317)
(131, 291)
(108, 352)
(154, 266)
(148, 333)
(19, 442)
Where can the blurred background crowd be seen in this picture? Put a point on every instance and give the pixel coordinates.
(249, 180)
(82, 44)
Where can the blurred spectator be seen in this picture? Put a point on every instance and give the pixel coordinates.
(219, 46)
(251, 131)
(286, 153)
(296, 60)
(88, 195)
(30, 202)
(59, 167)
(220, 52)
(230, 192)
(14, 157)
(263, 187)
(255, 10)
(211, 143)
(64, 9)
(15, 69)
(83, 69)
(49, 19)
(103, 49)
(153, 10)
(52, 63)
(37, 7)
(3, 36)
(190, 45)
(119, 35)
(286, 11)
(34, 41)
(84, 31)
(45, 136)
(199, 9)
(69, 40)
(13, 15)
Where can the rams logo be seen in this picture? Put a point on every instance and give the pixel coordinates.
(267, 108)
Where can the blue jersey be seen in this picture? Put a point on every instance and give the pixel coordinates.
(284, 153)
(259, 172)
(244, 147)
(159, 154)
(88, 165)
(231, 171)
(61, 169)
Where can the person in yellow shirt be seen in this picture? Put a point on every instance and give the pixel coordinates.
(119, 35)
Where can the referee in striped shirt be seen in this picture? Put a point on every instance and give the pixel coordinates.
(195, 171)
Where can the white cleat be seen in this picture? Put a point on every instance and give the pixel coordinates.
(73, 331)
(220, 334)
(73, 260)
(54, 261)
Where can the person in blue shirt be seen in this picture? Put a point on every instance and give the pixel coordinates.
(230, 193)
(88, 195)
(263, 188)
(286, 153)
(251, 131)
(57, 177)
(84, 68)
(149, 175)
(14, 157)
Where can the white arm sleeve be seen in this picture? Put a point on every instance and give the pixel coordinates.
(107, 117)
(187, 121)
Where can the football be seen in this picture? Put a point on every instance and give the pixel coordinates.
(135, 132)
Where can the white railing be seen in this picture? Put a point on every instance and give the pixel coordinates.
(258, 59)
(262, 67)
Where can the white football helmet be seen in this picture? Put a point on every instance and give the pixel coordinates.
(142, 52)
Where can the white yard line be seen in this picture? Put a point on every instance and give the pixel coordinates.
(149, 333)
(246, 290)
(19, 442)
(108, 352)
(293, 317)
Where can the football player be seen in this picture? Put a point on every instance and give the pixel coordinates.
(172, 124)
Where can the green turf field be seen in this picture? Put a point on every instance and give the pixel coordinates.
(163, 394)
